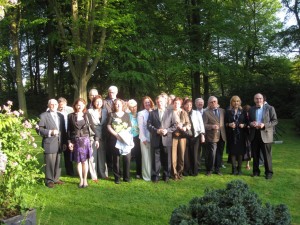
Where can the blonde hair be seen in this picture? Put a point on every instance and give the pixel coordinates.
(234, 98)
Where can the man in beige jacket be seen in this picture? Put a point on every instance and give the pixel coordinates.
(215, 136)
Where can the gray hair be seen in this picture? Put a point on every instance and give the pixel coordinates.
(113, 88)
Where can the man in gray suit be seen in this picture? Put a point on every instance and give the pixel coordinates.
(215, 136)
(262, 118)
(52, 129)
(161, 124)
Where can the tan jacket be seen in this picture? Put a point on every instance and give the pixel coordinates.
(209, 119)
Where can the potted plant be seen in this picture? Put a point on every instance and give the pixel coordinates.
(19, 166)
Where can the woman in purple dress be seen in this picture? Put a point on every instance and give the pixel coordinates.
(80, 129)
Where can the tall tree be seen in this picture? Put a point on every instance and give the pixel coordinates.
(291, 35)
(84, 27)
(15, 26)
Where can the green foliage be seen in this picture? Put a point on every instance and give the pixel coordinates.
(19, 164)
(234, 205)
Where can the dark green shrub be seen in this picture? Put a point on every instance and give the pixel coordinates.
(234, 205)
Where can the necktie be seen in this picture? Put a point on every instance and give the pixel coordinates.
(216, 112)
(161, 113)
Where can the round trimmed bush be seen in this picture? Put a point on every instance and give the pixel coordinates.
(234, 205)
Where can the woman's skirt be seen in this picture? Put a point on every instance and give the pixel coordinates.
(82, 149)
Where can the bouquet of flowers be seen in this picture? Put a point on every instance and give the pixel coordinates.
(119, 126)
(123, 131)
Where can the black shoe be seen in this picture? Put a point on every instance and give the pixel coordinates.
(255, 175)
(127, 180)
(117, 181)
(218, 173)
(166, 179)
(268, 177)
(208, 173)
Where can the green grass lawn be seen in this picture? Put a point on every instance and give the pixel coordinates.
(141, 202)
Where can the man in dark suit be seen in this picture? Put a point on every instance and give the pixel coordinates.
(262, 118)
(52, 129)
(109, 100)
(161, 124)
(108, 105)
(65, 111)
(213, 119)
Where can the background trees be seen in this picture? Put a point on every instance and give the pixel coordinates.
(188, 48)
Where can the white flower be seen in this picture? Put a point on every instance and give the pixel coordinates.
(118, 120)
(28, 157)
(27, 124)
(21, 112)
(14, 164)
(3, 161)
(6, 108)
(10, 103)
(16, 113)
(13, 1)
(23, 135)
(34, 145)
(32, 138)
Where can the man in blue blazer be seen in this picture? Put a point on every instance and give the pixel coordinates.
(161, 124)
(52, 129)
(262, 118)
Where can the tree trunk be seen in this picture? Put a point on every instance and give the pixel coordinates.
(37, 68)
(50, 70)
(196, 85)
(80, 90)
(17, 58)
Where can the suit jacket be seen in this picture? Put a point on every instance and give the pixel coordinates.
(107, 104)
(168, 122)
(269, 120)
(100, 126)
(210, 119)
(144, 134)
(76, 131)
(52, 144)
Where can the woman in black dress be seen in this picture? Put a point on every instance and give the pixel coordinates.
(235, 124)
(79, 126)
(119, 121)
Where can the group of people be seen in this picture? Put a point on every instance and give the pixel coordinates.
(166, 139)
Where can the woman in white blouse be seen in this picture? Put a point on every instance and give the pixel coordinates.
(97, 165)
(144, 137)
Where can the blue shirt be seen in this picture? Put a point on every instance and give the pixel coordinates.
(259, 114)
(134, 125)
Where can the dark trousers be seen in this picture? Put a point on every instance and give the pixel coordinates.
(110, 143)
(201, 153)
(52, 167)
(68, 163)
(191, 156)
(136, 153)
(266, 148)
(214, 155)
(161, 157)
(116, 165)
